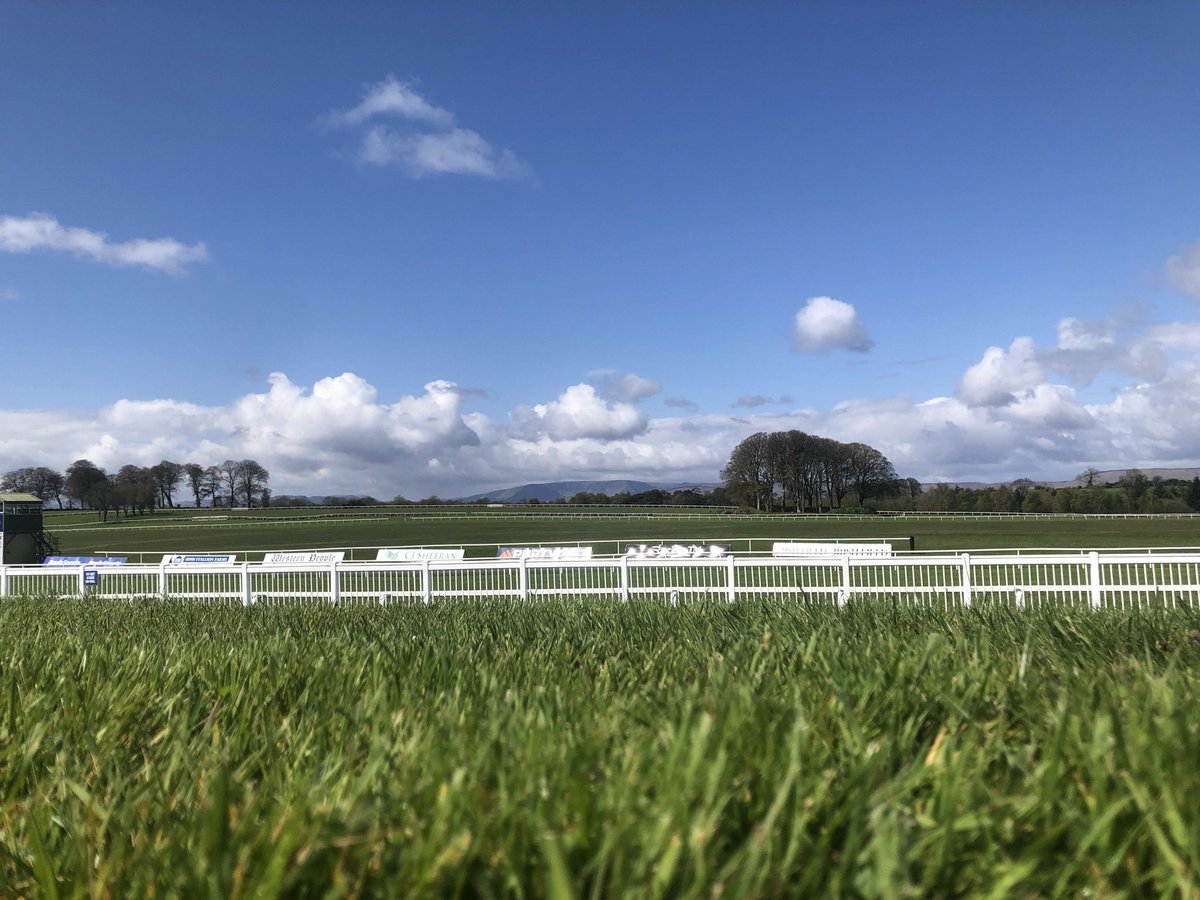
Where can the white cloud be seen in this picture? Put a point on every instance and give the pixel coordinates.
(456, 152)
(427, 141)
(39, 231)
(1001, 375)
(392, 97)
(1183, 271)
(579, 412)
(9, 294)
(826, 324)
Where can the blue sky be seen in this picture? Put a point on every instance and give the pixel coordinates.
(443, 248)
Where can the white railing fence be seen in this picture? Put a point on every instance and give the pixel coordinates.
(1094, 580)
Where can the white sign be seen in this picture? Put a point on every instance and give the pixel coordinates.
(419, 554)
(676, 551)
(801, 548)
(295, 558)
(198, 559)
(544, 553)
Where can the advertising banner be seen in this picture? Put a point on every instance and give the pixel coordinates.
(198, 559)
(419, 554)
(73, 561)
(676, 551)
(812, 548)
(543, 552)
(303, 558)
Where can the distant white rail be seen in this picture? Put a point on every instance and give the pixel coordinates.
(1082, 579)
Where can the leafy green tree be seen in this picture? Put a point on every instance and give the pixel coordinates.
(167, 476)
(1193, 494)
(83, 476)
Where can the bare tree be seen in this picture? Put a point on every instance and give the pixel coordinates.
(195, 479)
(213, 480)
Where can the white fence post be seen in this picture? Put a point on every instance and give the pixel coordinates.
(162, 578)
(966, 578)
(624, 579)
(523, 579)
(426, 583)
(844, 593)
(246, 584)
(1094, 579)
(335, 585)
(3, 581)
(82, 586)
(731, 580)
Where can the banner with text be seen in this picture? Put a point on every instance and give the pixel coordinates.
(72, 561)
(676, 551)
(812, 548)
(420, 554)
(301, 558)
(544, 553)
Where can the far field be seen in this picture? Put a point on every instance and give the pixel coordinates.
(607, 529)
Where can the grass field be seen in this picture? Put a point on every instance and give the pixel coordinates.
(163, 532)
(596, 750)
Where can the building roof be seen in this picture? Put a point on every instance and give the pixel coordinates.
(19, 498)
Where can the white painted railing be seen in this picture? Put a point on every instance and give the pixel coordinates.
(1100, 580)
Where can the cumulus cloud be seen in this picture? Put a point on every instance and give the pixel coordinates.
(579, 412)
(828, 324)
(40, 231)
(341, 436)
(1183, 271)
(426, 140)
(1001, 375)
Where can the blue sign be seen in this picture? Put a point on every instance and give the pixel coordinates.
(90, 577)
(85, 561)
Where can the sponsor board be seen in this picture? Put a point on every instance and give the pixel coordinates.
(74, 561)
(198, 559)
(303, 558)
(676, 551)
(419, 554)
(543, 552)
(807, 548)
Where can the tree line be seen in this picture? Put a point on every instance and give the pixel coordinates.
(798, 472)
(139, 489)
(1133, 492)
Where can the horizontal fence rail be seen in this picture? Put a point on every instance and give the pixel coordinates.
(1091, 579)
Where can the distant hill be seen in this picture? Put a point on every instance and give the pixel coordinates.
(563, 490)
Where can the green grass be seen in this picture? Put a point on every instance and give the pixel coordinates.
(81, 533)
(596, 750)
